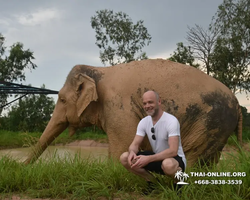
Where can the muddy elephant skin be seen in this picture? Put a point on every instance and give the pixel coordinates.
(111, 98)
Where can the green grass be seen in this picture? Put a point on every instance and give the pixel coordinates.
(68, 178)
(246, 134)
(77, 178)
(10, 139)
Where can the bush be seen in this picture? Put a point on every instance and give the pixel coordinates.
(32, 113)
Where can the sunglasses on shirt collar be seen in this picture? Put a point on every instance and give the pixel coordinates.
(153, 131)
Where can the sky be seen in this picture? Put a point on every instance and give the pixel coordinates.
(60, 34)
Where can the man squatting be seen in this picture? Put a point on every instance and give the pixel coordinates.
(163, 131)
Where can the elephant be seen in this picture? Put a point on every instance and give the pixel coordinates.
(111, 98)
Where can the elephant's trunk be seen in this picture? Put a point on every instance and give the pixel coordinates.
(52, 130)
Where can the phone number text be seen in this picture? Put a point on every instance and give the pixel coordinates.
(218, 182)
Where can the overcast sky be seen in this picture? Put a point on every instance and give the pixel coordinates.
(60, 34)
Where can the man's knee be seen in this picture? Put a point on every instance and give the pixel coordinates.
(124, 158)
(169, 166)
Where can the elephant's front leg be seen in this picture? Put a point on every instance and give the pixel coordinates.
(120, 136)
(119, 142)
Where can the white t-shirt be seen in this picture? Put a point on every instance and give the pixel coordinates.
(167, 126)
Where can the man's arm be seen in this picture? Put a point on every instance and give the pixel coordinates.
(168, 153)
(134, 148)
(135, 144)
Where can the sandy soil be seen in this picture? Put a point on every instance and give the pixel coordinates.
(86, 143)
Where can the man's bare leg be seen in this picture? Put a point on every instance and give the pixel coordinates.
(170, 166)
(138, 171)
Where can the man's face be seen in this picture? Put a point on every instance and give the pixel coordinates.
(150, 104)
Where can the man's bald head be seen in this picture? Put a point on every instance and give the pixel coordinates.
(150, 93)
(151, 103)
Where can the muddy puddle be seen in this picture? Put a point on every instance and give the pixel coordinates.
(61, 152)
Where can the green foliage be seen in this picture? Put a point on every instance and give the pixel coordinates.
(245, 124)
(228, 66)
(31, 113)
(118, 37)
(231, 57)
(246, 118)
(246, 134)
(13, 65)
(183, 55)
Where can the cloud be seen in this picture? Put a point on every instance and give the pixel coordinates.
(4, 22)
(161, 55)
(39, 17)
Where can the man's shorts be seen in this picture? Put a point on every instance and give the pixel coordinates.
(156, 166)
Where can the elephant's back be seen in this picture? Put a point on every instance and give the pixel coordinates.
(169, 79)
(185, 91)
(178, 85)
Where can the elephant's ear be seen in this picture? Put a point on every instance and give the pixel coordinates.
(86, 91)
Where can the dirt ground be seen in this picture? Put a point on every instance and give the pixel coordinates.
(87, 143)
(92, 143)
(231, 149)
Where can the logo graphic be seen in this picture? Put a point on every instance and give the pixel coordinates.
(181, 176)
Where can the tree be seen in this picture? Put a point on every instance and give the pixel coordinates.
(31, 113)
(246, 123)
(12, 66)
(202, 43)
(224, 48)
(183, 55)
(231, 58)
(227, 69)
(119, 39)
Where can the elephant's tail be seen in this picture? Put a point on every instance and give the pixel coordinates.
(239, 126)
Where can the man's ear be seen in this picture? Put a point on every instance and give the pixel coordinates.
(159, 102)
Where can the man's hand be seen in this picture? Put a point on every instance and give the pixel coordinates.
(134, 161)
(140, 161)
(131, 158)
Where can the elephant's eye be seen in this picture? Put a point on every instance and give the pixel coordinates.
(63, 100)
